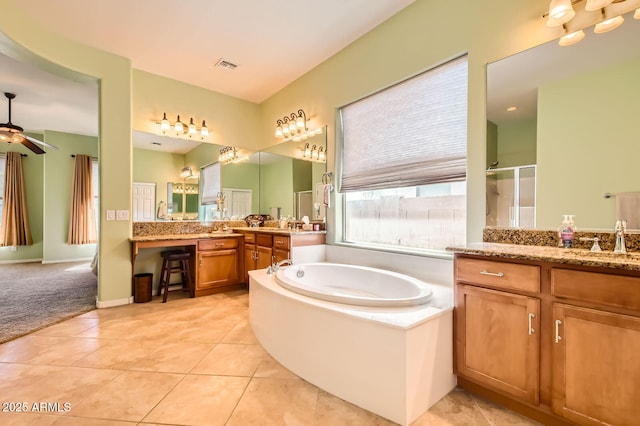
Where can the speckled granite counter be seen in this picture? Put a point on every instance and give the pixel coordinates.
(275, 231)
(582, 257)
(172, 237)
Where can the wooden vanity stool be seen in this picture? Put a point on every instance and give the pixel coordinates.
(175, 262)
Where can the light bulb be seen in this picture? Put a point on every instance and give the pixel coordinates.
(300, 122)
(179, 127)
(292, 127)
(204, 131)
(636, 14)
(596, 4)
(192, 127)
(279, 132)
(307, 151)
(608, 25)
(321, 154)
(314, 153)
(164, 124)
(285, 130)
(560, 12)
(569, 39)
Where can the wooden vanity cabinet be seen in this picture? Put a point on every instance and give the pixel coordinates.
(558, 344)
(497, 331)
(218, 265)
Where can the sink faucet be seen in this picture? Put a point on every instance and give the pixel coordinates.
(620, 228)
(275, 266)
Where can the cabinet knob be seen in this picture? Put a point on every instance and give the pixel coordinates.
(493, 274)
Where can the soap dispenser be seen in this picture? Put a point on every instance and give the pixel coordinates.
(567, 231)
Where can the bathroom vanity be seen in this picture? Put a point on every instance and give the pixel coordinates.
(549, 332)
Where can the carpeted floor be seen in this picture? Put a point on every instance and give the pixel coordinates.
(33, 295)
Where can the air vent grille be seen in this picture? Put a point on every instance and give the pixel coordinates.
(223, 63)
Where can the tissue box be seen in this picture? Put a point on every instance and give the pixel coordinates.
(307, 227)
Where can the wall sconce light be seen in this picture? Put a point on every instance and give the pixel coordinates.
(179, 128)
(187, 173)
(313, 153)
(294, 127)
(561, 12)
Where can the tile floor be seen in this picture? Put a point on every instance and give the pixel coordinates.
(186, 362)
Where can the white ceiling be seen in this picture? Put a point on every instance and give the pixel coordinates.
(273, 42)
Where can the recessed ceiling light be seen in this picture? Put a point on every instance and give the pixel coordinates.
(512, 108)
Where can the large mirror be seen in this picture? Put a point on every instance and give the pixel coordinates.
(282, 181)
(571, 144)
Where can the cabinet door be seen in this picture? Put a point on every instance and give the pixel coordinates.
(596, 366)
(217, 268)
(263, 257)
(497, 341)
(249, 260)
(279, 255)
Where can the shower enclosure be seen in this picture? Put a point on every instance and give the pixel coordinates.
(511, 197)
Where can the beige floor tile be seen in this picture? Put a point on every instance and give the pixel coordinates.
(241, 333)
(276, 402)
(128, 397)
(68, 328)
(271, 368)
(34, 383)
(127, 329)
(22, 419)
(48, 350)
(200, 400)
(457, 408)
(203, 330)
(501, 416)
(118, 354)
(232, 360)
(332, 410)
(174, 357)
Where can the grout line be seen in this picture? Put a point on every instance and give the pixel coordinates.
(244, 391)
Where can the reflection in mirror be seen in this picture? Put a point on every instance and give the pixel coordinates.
(291, 178)
(183, 199)
(574, 118)
(241, 186)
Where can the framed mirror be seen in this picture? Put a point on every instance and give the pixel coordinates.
(572, 115)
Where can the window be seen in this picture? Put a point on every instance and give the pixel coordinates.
(210, 181)
(404, 162)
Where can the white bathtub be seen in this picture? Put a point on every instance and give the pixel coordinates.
(354, 285)
(393, 361)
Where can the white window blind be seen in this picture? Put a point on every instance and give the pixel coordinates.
(413, 133)
(210, 176)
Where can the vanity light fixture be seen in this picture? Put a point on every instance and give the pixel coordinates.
(561, 12)
(187, 173)
(313, 153)
(294, 127)
(636, 14)
(180, 129)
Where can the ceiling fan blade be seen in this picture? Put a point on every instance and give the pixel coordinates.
(32, 146)
(39, 142)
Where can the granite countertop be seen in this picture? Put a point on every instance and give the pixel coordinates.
(276, 231)
(605, 259)
(165, 237)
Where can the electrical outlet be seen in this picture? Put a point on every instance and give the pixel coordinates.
(122, 214)
(111, 215)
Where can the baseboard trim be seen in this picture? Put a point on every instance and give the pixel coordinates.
(7, 262)
(81, 259)
(115, 302)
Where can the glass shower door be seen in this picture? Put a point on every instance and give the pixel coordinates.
(511, 197)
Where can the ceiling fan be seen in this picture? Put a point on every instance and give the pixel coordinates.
(11, 133)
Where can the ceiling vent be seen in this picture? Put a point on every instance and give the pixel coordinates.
(223, 63)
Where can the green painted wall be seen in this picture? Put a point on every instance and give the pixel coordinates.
(492, 143)
(516, 144)
(577, 159)
(33, 168)
(301, 175)
(159, 168)
(276, 186)
(243, 176)
(58, 179)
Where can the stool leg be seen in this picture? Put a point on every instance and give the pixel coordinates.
(166, 282)
(184, 274)
(162, 273)
(190, 284)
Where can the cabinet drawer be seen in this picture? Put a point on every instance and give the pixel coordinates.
(264, 240)
(607, 289)
(217, 244)
(250, 238)
(280, 242)
(510, 276)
